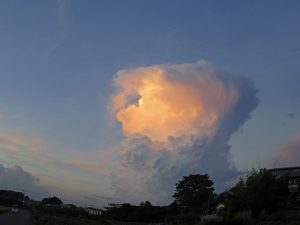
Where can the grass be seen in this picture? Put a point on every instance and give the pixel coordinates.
(42, 217)
(4, 209)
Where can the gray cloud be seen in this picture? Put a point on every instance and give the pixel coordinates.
(15, 178)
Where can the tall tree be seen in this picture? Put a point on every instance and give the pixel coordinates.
(194, 192)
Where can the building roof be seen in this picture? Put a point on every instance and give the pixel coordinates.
(290, 171)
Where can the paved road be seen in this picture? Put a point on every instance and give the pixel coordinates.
(21, 218)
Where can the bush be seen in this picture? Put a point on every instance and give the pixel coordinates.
(293, 215)
(241, 218)
(185, 219)
(276, 216)
(212, 221)
(4, 209)
(260, 190)
(293, 223)
(284, 216)
(41, 216)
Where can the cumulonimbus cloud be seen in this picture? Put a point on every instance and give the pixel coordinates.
(177, 120)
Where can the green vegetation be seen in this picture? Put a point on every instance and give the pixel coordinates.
(143, 213)
(261, 190)
(52, 201)
(4, 209)
(262, 198)
(194, 193)
(63, 216)
(282, 217)
(8, 198)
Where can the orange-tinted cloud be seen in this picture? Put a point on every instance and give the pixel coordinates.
(177, 120)
(290, 154)
(159, 102)
(89, 166)
(19, 142)
(30, 147)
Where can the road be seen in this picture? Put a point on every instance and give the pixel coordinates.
(21, 218)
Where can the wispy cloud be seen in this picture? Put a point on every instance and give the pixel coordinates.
(25, 141)
(30, 148)
(88, 165)
(32, 152)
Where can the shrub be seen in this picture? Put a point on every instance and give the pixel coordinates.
(212, 221)
(242, 218)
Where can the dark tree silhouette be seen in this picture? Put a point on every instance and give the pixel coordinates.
(194, 192)
(53, 201)
(260, 190)
(146, 204)
(8, 197)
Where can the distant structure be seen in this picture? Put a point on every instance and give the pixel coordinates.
(293, 174)
(93, 211)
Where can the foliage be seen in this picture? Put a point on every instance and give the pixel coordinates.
(63, 216)
(261, 190)
(194, 192)
(146, 204)
(243, 217)
(260, 198)
(182, 219)
(11, 197)
(4, 209)
(143, 213)
(212, 221)
(52, 201)
(283, 217)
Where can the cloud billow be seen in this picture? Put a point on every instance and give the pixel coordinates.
(177, 120)
(15, 178)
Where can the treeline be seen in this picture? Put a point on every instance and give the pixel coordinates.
(260, 191)
(52, 210)
(8, 197)
(262, 197)
(145, 212)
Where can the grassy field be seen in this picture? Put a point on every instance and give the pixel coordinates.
(63, 220)
(4, 209)
(44, 217)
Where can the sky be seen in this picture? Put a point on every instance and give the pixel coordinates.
(110, 101)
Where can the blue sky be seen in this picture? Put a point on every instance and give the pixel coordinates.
(58, 60)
